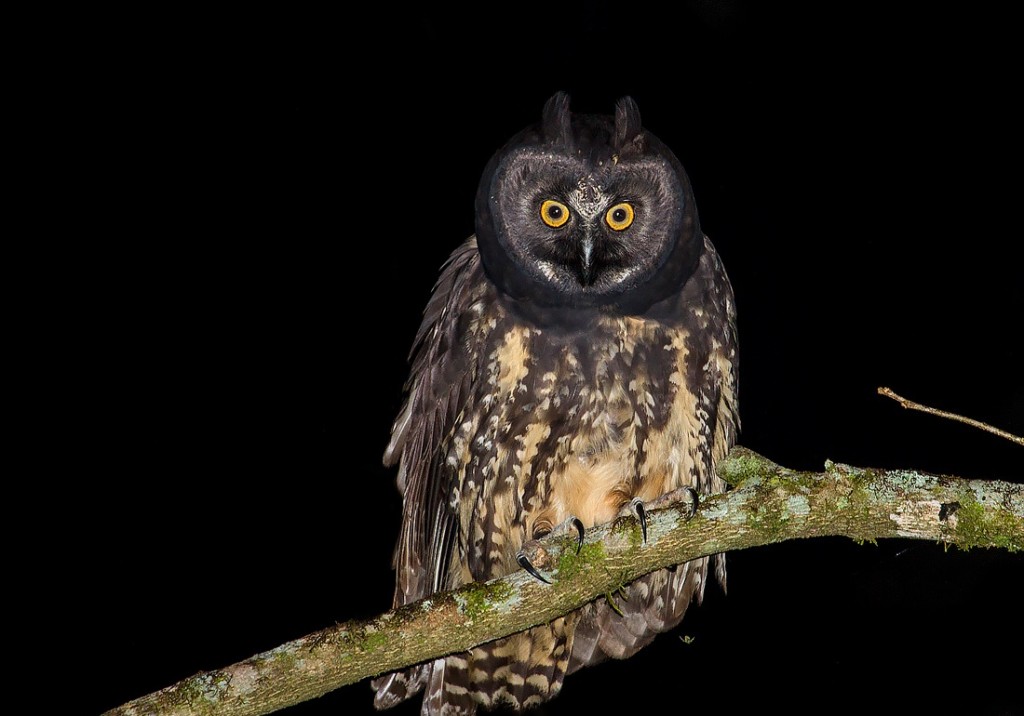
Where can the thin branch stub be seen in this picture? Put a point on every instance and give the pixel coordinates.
(888, 392)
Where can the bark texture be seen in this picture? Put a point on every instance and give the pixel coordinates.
(767, 504)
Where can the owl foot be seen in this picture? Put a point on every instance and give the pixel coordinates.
(686, 495)
(526, 564)
(533, 553)
(689, 496)
(638, 509)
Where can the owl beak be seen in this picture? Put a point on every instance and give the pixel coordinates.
(586, 260)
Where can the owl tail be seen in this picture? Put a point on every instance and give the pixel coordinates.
(649, 606)
(520, 671)
(394, 688)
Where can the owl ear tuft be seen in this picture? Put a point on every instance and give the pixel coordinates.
(627, 124)
(557, 119)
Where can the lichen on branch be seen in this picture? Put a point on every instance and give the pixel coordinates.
(767, 504)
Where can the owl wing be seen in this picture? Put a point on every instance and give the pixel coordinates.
(438, 384)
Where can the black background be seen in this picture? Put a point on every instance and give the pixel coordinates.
(295, 183)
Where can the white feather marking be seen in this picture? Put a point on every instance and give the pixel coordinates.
(548, 269)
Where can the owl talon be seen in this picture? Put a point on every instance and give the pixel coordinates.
(572, 522)
(525, 563)
(692, 503)
(578, 524)
(636, 506)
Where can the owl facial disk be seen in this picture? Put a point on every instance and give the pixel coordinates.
(580, 229)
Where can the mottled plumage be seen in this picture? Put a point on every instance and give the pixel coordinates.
(567, 363)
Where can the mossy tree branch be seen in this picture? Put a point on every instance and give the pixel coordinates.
(767, 504)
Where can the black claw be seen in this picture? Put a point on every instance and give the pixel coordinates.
(694, 502)
(641, 514)
(579, 528)
(524, 562)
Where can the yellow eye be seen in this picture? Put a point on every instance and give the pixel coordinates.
(620, 216)
(554, 213)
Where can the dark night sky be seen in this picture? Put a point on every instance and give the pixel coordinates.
(858, 169)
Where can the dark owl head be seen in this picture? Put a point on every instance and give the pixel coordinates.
(587, 211)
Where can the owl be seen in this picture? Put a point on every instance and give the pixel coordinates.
(577, 361)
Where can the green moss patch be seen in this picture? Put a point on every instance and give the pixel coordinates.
(977, 528)
(570, 564)
(479, 599)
